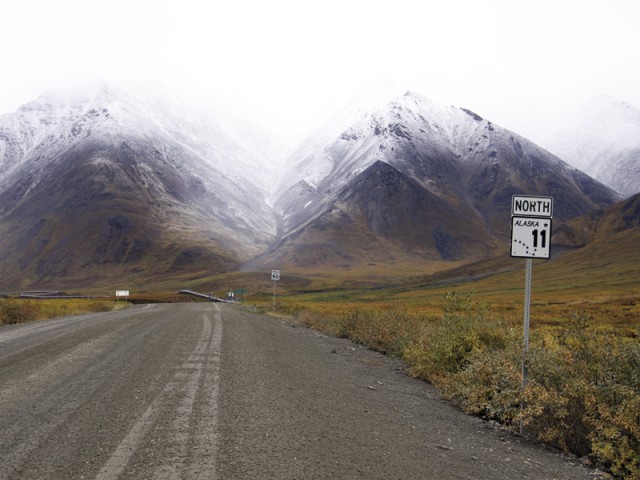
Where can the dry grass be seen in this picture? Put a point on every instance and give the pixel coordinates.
(14, 311)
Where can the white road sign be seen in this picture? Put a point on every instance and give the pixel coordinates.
(530, 237)
(122, 293)
(527, 206)
(275, 275)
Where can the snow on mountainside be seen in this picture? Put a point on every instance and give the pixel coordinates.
(603, 140)
(61, 118)
(407, 180)
(106, 178)
(452, 152)
(306, 162)
(113, 181)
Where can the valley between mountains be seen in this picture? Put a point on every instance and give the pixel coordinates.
(108, 183)
(372, 219)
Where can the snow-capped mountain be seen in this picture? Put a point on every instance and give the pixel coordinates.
(131, 181)
(444, 160)
(110, 181)
(60, 118)
(447, 150)
(603, 140)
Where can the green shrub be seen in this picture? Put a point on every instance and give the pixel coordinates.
(447, 345)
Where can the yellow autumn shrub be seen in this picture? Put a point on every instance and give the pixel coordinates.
(583, 390)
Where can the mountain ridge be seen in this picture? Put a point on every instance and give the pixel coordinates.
(453, 154)
(155, 187)
(147, 188)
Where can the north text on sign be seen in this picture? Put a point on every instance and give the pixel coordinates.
(532, 206)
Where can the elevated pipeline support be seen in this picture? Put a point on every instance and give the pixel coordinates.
(211, 298)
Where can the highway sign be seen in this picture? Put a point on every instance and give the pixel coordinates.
(528, 206)
(530, 237)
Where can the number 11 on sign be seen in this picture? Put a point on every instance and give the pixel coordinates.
(543, 238)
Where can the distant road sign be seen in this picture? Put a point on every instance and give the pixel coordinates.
(530, 237)
(122, 293)
(527, 206)
(275, 275)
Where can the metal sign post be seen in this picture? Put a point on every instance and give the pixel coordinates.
(530, 238)
(525, 349)
(275, 276)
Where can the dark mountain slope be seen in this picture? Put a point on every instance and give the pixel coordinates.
(96, 216)
(601, 224)
(467, 168)
(97, 190)
(101, 185)
(383, 216)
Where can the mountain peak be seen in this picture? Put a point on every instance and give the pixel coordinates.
(412, 94)
(610, 110)
(138, 176)
(64, 98)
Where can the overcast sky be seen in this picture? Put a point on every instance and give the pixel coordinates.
(523, 65)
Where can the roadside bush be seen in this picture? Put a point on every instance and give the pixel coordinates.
(388, 330)
(583, 391)
(584, 395)
(491, 384)
(99, 307)
(446, 346)
(20, 310)
(15, 311)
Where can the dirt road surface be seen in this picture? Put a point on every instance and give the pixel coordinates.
(194, 391)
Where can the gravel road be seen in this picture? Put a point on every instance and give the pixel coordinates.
(210, 391)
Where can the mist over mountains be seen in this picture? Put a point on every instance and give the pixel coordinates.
(105, 182)
(603, 140)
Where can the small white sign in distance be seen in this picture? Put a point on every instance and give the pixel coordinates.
(530, 237)
(528, 206)
(122, 293)
(275, 275)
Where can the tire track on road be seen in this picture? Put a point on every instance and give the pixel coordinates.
(26, 390)
(193, 454)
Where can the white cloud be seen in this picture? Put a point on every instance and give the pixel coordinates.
(519, 64)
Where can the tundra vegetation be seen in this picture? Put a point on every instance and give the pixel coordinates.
(583, 391)
(14, 310)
